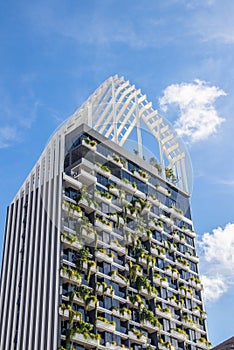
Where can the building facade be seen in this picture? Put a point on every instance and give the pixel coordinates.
(99, 249)
(226, 345)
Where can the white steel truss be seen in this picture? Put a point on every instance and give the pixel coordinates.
(117, 107)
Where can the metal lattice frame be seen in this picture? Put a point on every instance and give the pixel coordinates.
(117, 107)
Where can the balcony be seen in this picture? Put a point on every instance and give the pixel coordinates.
(179, 334)
(166, 219)
(70, 181)
(121, 250)
(71, 276)
(163, 190)
(120, 280)
(149, 326)
(163, 313)
(105, 326)
(103, 170)
(90, 144)
(100, 256)
(88, 205)
(147, 294)
(88, 235)
(141, 175)
(122, 314)
(71, 242)
(103, 225)
(137, 337)
(89, 342)
(203, 343)
(85, 177)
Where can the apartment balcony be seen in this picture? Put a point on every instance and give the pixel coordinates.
(176, 213)
(121, 250)
(101, 170)
(160, 313)
(192, 258)
(91, 145)
(101, 290)
(190, 324)
(69, 211)
(154, 201)
(122, 282)
(109, 346)
(157, 252)
(116, 160)
(141, 175)
(103, 257)
(65, 315)
(149, 327)
(70, 181)
(103, 199)
(88, 342)
(114, 191)
(163, 190)
(85, 177)
(123, 315)
(93, 269)
(175, 303)
(189, 232)
(166, 219)
(180, 336)
(87, 204)
(103, 225)
(140, 338)
(91, 306)
(203, 344)
(71, 278)
(70, 243)
(166, 347)
(103, 326)
(146, 294)
(88, 235)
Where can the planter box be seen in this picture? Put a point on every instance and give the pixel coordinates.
(124, 316)
(121, 282)
(88, 342)
(146, 294)
(119, 249)
(91, 306)
(103, 257)
(178, 335)
(86, 178)
(163, 190)
(100, 226)
(100, 291)
(72, 279)
(163, 314)
(134, 339)
(167, 220)
(87, 236)
(75, 245)
(147, 325)
(202, 345)
(102, 172)
(105, 327)
(87, 205)
(93, 148)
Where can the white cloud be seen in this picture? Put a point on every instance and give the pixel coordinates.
(214, 287)
(198, 118)
(217, 260)
(7, 135)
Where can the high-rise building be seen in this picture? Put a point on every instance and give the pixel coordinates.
(99, 248)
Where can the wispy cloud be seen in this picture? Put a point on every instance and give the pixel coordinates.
(217, 260)
(198, 118)
(16, 115)
(7, 136)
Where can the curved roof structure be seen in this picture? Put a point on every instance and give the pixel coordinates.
(117, 107)
(114, 110)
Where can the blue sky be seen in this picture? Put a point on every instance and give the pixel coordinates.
(54, 54)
